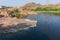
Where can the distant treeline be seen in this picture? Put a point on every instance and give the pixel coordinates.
(44, 9)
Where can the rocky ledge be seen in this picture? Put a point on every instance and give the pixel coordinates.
(13, 24)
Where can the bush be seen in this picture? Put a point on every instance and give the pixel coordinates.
(17, 14)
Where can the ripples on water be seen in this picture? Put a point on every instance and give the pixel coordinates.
(48, 28)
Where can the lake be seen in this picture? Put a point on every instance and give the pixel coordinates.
(48, 28)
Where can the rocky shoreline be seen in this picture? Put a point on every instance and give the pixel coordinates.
(13, 24)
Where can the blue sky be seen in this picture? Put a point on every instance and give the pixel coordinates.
(23, 2)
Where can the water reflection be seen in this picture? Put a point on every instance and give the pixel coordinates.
(49, 25)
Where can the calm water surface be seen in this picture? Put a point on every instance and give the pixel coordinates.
(48, 28)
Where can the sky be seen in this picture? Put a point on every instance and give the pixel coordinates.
(23, 2)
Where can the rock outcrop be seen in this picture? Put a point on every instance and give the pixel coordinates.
(13, 24)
